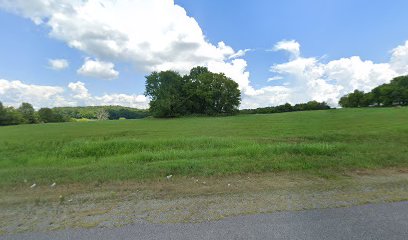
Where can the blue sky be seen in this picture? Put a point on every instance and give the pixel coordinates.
(305, 48)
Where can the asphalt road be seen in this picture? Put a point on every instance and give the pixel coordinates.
(379, 221)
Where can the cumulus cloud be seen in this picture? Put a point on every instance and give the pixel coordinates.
(308, 78)
(98, 69)
(399, 58)
(81, 95)
(158, 35)
(79, 90)
(58, 64)
(153, 35)
(13, 93)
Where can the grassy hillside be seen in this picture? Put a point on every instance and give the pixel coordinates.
(321, 142)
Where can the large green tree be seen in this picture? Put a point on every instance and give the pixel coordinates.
(199, 92)
(211, 93)
(166, 92)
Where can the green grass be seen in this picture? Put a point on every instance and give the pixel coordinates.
(316, 141)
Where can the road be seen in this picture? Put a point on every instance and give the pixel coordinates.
(379, 221)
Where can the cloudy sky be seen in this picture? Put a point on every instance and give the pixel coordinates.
(97, 52)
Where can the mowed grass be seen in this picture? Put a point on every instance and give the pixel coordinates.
(319, 142)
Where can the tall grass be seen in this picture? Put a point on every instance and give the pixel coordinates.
(334, 140)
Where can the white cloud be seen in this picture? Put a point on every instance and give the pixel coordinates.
(311, 79)
(58, 64)
(136, 101)
(275, 78)
(399, 58)
(81, 95)
(153, 35)
(239, 54)
(98, 69)
(13, 93)
(290, 46)
(79, 90)
(158, 35)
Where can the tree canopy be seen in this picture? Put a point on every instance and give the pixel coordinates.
(199, 92)
(389, 94)
(287, 107)
(26, 114)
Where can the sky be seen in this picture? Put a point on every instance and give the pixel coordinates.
(97, 52)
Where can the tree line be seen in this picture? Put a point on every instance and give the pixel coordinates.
(394, 93)
(200, 92)
(309, 106)
(102, 112)
(26, 114)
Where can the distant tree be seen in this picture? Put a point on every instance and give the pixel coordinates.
(388, 94)
(102, 114)
(309, 106)
(46, 115)
(354, 99)
(28, 113)
(9, 116)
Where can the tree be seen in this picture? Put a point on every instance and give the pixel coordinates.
(9, 116)
(46, 115)
(28, 113)
(166, 90)
(354, 99)
(200, 92)
(212, 93)
(388, 94)
(102, 114)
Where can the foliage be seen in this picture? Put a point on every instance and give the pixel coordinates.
(320, 142)
(90, 112)
(48, 115)
(389, 94)
(166, 90)
(200, 92)
(309, 106)
(28, 113)
(9, 116)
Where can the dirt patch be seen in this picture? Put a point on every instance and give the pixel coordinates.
(45, 208)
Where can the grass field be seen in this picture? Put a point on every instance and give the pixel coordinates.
(319, 142)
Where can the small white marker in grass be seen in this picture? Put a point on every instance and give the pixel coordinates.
(229, 184)
(33, 186)
(169, 177)
(53, 185)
